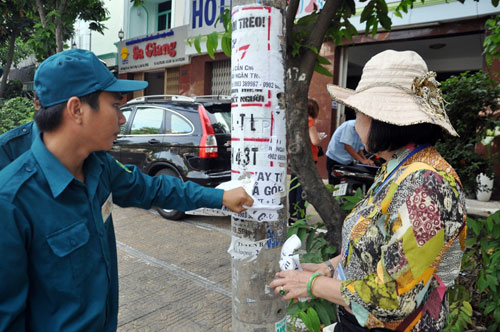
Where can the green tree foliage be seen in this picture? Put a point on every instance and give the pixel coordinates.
(15, 112)
(467, 95)
(21, 51)
(45, 25)
(317, 312)
(475, 299)
(14, 24)
(54, 21)
(492, 41)
(13, 89)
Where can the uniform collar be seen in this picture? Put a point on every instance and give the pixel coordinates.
(57, 175)
(34, 131)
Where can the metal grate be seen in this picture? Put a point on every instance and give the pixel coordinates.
(172, 81)
(221, 77)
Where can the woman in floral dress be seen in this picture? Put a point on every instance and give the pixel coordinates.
(402, 244)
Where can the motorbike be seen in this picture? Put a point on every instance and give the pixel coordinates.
(352, 177)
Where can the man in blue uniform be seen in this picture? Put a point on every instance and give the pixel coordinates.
(16, 141)
(345, 148)
(58, 270)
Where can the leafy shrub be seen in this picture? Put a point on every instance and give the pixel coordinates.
(317, 312)
(467, 95)
(15, 112)
(492, 41)
(475, 299)
(13, 88)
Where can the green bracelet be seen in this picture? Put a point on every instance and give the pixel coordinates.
(309, 284)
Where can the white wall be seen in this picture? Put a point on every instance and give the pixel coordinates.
(142, 20)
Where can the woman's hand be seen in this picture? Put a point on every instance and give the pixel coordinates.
(293, 283)
(321, 268)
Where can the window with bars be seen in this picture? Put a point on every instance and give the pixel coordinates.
(164, 15)
(172, 81)
(221, 77)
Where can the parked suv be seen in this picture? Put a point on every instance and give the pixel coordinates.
(185, 137)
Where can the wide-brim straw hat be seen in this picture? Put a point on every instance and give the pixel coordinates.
(397, 88)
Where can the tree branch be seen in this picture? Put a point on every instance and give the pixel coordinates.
(10, 57)
(60, 7)
(317, 37)
(301, 69)
(41, 12)
(291, 12)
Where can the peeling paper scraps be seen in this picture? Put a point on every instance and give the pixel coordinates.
(261, 210)
(289, 260)
(243, 249)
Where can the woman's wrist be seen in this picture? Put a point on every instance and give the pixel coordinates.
(331, 268)
(310, 283)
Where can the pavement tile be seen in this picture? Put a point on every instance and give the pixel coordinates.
(168, 297)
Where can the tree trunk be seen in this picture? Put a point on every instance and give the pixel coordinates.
(10, 57)
(59, 25)
(300, 70)
(302, 164)
(41, 13)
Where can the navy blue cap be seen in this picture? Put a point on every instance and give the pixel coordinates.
(76, 73)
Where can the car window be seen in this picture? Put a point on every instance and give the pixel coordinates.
(126, 113)
(176, 124)
(147, 121)
(220, 117)
(222, 122)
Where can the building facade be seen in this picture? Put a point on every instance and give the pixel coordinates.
(156, 48)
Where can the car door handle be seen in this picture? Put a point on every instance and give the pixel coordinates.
(153, 141)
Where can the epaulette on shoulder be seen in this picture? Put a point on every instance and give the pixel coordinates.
(13, 177)
(22, 130)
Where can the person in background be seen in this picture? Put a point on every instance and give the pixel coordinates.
(345, 148)
(403, 243)
(296, 203)
(59, 261)
(16, 141)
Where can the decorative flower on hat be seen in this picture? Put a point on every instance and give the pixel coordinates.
(426, 89)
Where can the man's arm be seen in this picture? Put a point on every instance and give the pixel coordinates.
(236, 199)
(131, 187)
(14, 283)
(314, 136)
(358, 156)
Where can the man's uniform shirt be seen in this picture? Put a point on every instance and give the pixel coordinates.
(16, 141)
(58, 269)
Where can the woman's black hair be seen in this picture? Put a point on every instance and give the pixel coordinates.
(312, 108)
(49, 118)
(388, 137)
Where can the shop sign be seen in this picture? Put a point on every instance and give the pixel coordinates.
(204, 13)
(157, 50)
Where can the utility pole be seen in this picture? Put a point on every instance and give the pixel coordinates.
(258, 148)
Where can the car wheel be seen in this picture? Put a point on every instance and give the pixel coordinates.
(167, 213)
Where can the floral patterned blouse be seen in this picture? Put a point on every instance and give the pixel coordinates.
(402, 245)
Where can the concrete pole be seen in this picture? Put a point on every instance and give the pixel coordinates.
(258, 149)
